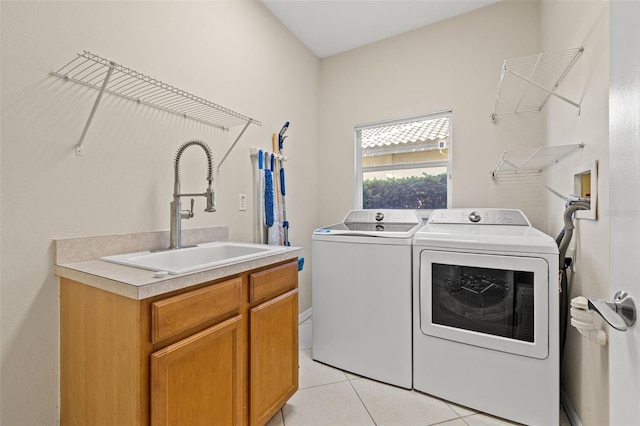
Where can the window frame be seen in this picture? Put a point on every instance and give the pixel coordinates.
(359, 170)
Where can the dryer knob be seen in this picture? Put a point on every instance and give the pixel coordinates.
(379, 216)
(475, 217)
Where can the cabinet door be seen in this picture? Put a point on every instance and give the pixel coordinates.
(197, 381)
(273, 355)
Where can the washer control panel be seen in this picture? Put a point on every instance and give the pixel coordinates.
(480, 217)
(383, 216)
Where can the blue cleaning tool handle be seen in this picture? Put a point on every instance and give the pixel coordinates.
(273, 162)
(282, 181)
(281, 135)
(260, 160)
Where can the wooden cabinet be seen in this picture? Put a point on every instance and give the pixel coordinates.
(220, 353)
(274, 355)
(173, 315)
(196, 381)
(273, 340)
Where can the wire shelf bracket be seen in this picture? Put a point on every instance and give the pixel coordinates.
(521, 162)
(554, 66)
(108, 76)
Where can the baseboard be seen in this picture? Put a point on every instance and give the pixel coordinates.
(304, 316)
(568, 409)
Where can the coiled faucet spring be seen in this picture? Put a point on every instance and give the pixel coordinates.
(177, 214)
(183, 147)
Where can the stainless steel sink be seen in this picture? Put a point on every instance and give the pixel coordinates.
(197, 258)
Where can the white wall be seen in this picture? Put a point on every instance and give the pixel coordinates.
(234, 53)
(454, 64)
(566, 25)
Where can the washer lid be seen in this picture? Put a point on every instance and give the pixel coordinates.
(376, 223)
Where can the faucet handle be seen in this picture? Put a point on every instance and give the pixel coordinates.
(187, 214)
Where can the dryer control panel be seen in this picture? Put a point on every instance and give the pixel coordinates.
(480, 217)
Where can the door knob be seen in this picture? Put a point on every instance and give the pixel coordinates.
(620, 312)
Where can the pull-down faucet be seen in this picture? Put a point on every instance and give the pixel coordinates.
(177, 214)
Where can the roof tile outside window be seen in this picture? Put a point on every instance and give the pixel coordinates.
(429, 130)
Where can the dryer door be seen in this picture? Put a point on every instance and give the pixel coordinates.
(496, 302)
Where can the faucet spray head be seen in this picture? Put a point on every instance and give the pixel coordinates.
(211, 200)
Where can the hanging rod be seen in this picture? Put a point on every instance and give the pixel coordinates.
(108, 76)
(528, 69)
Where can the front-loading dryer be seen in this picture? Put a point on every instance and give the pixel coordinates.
(485, 314)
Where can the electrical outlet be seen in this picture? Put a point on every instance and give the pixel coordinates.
(242, 202)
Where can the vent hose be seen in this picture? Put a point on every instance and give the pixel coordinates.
(568, 227)
(564, 239)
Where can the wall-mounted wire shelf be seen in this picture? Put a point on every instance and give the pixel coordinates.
(532, 161)
(544, 72)
(108, 76)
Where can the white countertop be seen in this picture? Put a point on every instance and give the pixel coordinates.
(77, 259)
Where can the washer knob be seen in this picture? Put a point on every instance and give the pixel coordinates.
(379, 216)
(474, 217)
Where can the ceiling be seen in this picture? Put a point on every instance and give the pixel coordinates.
(328, 27)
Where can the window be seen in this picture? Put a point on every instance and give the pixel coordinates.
(404, 164)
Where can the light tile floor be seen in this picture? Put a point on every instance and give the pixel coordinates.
(328, 396)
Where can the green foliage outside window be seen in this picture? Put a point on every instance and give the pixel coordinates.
(418, 192)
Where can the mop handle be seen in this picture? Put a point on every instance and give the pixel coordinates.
(281, 136)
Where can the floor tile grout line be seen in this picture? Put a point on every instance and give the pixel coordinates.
(446, 421)
(362, 402)
(356, 377)
(457, 416)
(323, 384)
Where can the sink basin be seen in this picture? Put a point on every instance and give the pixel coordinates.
(191, 259)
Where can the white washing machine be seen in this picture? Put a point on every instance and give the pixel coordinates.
(485, 306)
(361, 282)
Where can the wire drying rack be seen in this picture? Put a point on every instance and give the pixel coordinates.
(108, 76)
(536, 161)
(544, 72)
